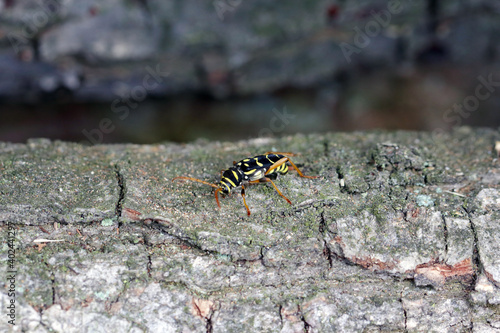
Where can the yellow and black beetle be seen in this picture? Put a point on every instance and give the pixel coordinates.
(259, 169)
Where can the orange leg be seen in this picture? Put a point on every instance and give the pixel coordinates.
(217, 196)
(244, 201)
(284, 160)
(267, 180)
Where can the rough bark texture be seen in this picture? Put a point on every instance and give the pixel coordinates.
(399, 233)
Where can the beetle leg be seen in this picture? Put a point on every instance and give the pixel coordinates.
(267, 180)
(284, 160)
(244, 201)
(217, 196)
(300, 173)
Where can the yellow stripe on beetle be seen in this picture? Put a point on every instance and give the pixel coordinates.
(227, 186)
(229, 181)
(270, 160)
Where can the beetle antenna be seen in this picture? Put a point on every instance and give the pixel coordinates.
(197, 180)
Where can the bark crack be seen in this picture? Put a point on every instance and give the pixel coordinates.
(326, 250)
(53, 284)
(328, 254)
(207, 317)
(322, 223)
(307, 327)
(476, 258)
(209, 324)
(121, 193)
(149, 246)
(280, 308)
(149, 266)
(445, 232)
(259, 259)
(173, 231)
(405, 314)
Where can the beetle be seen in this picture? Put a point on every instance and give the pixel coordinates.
(255, 170)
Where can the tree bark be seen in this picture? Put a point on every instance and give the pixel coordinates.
(398, 233)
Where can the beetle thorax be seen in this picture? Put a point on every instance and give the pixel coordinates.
(231, 178)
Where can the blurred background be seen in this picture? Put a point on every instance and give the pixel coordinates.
(147, 71)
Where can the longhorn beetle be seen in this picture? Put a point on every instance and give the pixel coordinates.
(259, 169)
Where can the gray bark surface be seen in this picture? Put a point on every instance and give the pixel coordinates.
(398, 234)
